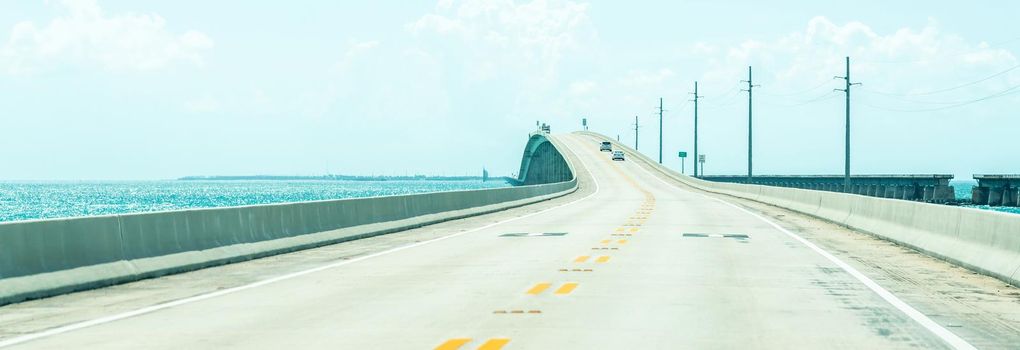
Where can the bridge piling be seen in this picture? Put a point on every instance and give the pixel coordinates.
(857, 189)
(1009, 197)
(979, 195)
(995, 196)
(944, 194)
(911, 193)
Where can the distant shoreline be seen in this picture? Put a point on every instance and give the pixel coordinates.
(343, 178)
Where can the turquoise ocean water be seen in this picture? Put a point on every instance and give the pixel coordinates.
(963, 192)
(43, 200)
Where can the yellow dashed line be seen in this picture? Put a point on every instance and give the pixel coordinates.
(622, 241)
(634, 229)
(619, 229)
(602, 259)
(539, 288)
(605, 241)
(566, 288)
(581, 259)
(516, 312)
(453, 344)
(494, 344)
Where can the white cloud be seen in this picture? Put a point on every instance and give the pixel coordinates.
(906, 59)
(581, 88)
(86, 36)
(645, 78)
(501, 35)
(704, 49)
(203, 104)
(355, 50)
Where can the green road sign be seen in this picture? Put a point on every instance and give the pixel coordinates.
(683, 154)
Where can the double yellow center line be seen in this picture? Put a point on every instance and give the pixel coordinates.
(456, 343)
(564, 289)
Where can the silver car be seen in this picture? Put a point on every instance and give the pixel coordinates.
(617, 155)
(606, 147)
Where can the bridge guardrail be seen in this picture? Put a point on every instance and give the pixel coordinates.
(981, 240)
(49, 257)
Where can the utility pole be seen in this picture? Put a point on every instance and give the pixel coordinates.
(635, 133)
(750, 87)
(696, 97)
(846, 155)
(660, 130)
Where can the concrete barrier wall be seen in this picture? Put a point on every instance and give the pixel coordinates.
(542, 163)
(48, 257)
(903, 186)
(981, 240)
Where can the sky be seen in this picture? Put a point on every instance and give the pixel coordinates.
(138, 90)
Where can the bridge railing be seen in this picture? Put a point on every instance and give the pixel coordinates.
(984, 241)
(933, 188)
(48, 257)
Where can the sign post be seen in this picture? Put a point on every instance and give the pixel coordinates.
(683, 161)
(701, 159)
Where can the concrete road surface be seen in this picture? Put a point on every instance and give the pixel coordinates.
(630, 262)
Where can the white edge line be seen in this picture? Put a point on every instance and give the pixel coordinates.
(929, 324)
(154, 308)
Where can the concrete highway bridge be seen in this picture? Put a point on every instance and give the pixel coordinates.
(587, 254)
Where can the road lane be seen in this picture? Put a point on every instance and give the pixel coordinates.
(665, 268)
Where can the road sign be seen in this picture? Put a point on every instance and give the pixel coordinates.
(683, 161)
(701, 158)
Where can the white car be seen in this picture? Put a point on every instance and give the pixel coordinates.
(617, 155)
(606, 146)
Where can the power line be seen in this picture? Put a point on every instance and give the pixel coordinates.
(900, 99)
(960, 53)
(824, 97)
(728, 99)
(947, 89)
(683, 107)
(801, 92)
(1006, 92)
